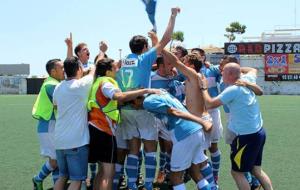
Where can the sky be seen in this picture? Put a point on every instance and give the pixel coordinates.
(33, 31)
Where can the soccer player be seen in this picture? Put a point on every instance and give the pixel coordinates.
(194, 100)
(187, 136)
(213, 75)
(104, 117)
(246, 122)
(139, 125)
(43, 112)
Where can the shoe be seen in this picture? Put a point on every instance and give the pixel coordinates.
(161, 176)
(140, 181)
(122, 183)
(255, 187)
(37, 185)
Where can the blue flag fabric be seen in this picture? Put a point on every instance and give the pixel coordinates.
(150, 9)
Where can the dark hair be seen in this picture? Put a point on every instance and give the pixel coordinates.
(95, 59)
(137, 44)
(195, 60)
(78, 48)
(159, 60)
(201, 51)
(71, 66)
(230, 59)
(183, 50)
(51, 65)
(102, 66)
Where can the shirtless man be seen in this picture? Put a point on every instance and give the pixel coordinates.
(191, 64)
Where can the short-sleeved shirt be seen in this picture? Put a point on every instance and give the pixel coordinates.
(159, 104)
(71, 128)
(135, 71)
(213, 76)
(246, 77)
(96, 117)
(245, 115)
(170, 84)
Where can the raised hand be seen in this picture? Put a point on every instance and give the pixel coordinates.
(152, 35)
(103, 46)
(175, 11)
(69, 40)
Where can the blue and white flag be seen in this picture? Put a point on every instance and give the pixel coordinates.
(150, 9)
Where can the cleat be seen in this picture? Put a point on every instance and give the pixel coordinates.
(122, 183)
(37, 185)
(140, 181)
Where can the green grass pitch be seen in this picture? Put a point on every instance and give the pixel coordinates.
(20, 160)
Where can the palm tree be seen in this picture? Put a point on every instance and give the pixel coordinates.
(234, 28)
(178, 35)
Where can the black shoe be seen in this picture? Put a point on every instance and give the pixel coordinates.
(140, 181)
(122, 183)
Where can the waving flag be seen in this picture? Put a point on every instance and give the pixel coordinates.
(150, 9)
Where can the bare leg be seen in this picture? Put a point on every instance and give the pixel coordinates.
(75, 185)
(262, 177)
(60, 183)
(240, 180)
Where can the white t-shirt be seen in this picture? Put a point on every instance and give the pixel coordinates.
(108, 90)
(71, 128)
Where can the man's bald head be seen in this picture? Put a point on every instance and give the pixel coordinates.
(231, 73)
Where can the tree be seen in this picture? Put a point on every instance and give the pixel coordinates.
(178, 35)
(234, 28)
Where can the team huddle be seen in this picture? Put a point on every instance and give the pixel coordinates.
(110, 116)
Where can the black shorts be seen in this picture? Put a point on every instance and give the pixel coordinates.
(103, 147)
(247, 151)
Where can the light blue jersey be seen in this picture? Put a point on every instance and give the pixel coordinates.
(135, 71)
(246, 77)
(170, 84)
(213, 76)
(245, 116)
(159, 104)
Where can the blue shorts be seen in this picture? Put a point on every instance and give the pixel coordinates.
(73, 163)
(247, 151)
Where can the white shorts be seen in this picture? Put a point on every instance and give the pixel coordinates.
(207, 135)
(229, 135)
(139, 124)
(217, 131)
(121, 142)
(47, 148)
(163, 132)
(187, 151)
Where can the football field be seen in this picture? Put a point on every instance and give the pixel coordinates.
(20, 160)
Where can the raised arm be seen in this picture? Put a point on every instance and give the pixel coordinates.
(69, 43)
(186, 71)
(207, 125)
(102, 49)
(169, 30)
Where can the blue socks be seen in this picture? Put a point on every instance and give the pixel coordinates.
(132, 170)
(215, 161)
(44, 172)
(150, 168)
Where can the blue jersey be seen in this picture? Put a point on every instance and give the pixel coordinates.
(245, 116)
(213, 76)
(173, 86)
(159, 104)
(135, 71)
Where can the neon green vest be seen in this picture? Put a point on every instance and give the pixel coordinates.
(111, 109)
(43, 107)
